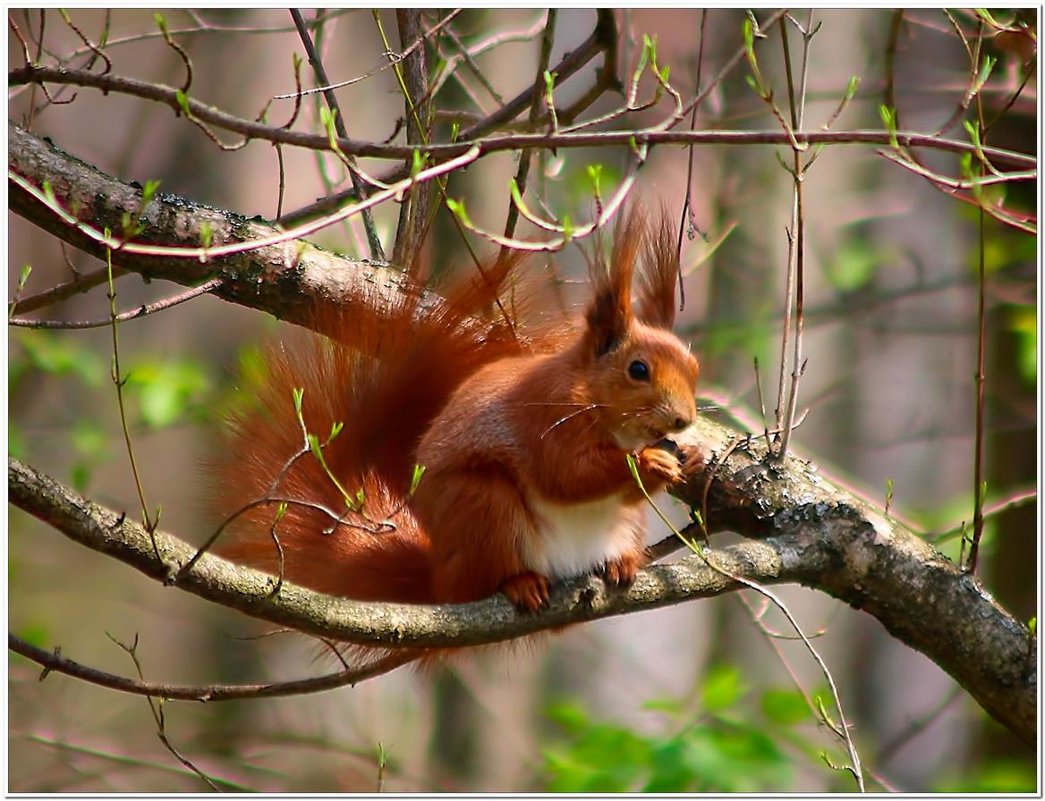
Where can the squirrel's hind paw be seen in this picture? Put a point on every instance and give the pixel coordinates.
(528, 591)
(621, 571)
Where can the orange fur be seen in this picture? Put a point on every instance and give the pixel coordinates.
(523, 441)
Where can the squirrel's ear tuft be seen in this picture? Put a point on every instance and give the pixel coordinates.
(659, 274)
(609, 315)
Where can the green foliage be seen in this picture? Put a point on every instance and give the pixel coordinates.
(726, 746)
(90, 440)
(721, 688)
(854, 265)
(56, 355)
(242, 394)
(994, 776)
(785, 707)
(581, 178)
(888, 115)
(756, 338)
(167, 390)
(37, 633)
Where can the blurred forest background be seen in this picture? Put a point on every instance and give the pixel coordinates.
(696, 697)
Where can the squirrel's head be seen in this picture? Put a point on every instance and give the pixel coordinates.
(643, 378)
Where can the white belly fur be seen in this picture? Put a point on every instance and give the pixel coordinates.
(575, 538)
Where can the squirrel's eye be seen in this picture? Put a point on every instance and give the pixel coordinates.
(638, 370)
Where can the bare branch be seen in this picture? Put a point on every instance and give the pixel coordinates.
(54, 661)
(470, 136)
(376, 251)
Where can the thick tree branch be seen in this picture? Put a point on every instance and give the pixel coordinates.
(379, 624)
(803, 528)
(850, 550)
(287, 280)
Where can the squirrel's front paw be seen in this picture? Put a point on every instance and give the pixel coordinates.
(528, 590)
(621, 571)
(658, 467)
(692, 460)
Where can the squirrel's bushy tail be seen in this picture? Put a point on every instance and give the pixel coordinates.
(337, 521)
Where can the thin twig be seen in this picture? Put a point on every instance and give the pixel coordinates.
(386, 63)
(892, 44)
(141, 311)
(79, 285)
(686, 218)
(156, 707)
(149, 523)
(492, 144)
(980, 394)
(373, 240)
(547, 40)
(97, 51)
(796, 237)
(18, 35)
(57, 663)
(412, 74)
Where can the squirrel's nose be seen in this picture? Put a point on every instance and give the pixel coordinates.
(680, 423)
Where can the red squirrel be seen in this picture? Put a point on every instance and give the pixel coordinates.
(522, 438)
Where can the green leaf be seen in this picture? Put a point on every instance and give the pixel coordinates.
(888, 116)
(417, 163)
(633, 467)
(149, 191)
(595, 175)
(167, 391)
(15, 441)
(80, 476)
(89, 438)
(721, 688)
(1023, 324)
(669, 706)
(53, 353)
(854, 84)
(335, 429)
(748, 32)
(853, 266)
(985, 72)
(415, 479)
(457, 209)
(549, 83)
(36, 634)
(568, 714)
(567, 228)
(1005, 776)
(183, 102)
(785, 707)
